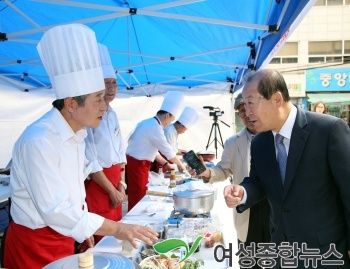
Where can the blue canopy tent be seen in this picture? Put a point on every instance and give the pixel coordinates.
(185, 43)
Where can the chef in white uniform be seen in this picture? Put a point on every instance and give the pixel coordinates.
(48, 162)
(146, 142)
(105, 188)
(188, 118)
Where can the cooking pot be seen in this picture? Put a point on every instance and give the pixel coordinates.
(193, 202)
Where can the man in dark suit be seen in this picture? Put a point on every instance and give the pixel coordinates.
(307, 182)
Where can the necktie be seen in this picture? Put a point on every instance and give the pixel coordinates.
(281, 156)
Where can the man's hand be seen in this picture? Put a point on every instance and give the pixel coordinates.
(131, 231)
(88, 243)
(233, 195)
(116, 197)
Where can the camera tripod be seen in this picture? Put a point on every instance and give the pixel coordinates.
(215, 126)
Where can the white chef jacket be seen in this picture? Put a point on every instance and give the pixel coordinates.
(104, 144)
(47, 179)
(147, 139)
(171, 136)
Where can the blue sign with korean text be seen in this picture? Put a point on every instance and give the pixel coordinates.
(327, 79)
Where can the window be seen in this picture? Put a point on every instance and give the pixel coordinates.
(290, 60)
(316, 59)
(334, 2)
(325, 51)
(337, 59)
(325, 47)
(288, 54)
(276, 61)
(320, 3)
(347, 46)
(289, 49)
(331, 2)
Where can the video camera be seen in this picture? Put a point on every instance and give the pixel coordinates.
(214, 111)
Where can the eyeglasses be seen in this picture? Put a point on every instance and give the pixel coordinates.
(241, 114)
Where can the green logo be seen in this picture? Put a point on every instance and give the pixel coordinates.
(173, 243)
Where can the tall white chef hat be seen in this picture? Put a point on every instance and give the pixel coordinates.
(188, 117)
(70, 56)
(172, 102)
(107, 67)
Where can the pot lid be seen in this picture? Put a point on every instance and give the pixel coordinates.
(193, 194)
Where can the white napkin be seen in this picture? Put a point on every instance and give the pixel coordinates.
(155, 179)
(155, 207)
(194, 185)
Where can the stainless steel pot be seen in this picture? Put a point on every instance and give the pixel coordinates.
(193, 202)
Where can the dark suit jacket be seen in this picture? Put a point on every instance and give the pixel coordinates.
(313, 206)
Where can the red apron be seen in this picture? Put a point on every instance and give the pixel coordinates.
(98, 200)
(27, 248)
(137, 173)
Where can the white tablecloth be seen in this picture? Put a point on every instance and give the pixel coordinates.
(219, 214)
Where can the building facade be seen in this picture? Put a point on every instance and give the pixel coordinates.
(315, 61)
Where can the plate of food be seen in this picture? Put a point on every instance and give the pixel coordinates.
(169, 261)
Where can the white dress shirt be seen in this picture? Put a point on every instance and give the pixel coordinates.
(286, 132)
(47, 179)
(171, 136)
(147, 138)
(104, 144)
(287, 128)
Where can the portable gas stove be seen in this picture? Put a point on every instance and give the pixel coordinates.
(176, 216)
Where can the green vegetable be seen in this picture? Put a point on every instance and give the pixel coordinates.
(194, 265)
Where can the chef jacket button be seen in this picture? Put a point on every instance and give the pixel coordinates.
(284, 210)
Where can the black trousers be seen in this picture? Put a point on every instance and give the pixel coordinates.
(259, 229)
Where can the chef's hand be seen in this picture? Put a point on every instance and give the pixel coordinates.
(233, 195)
(88, 243)
(116, 197)
(169, 166)
(181, 167)
(130, 231)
